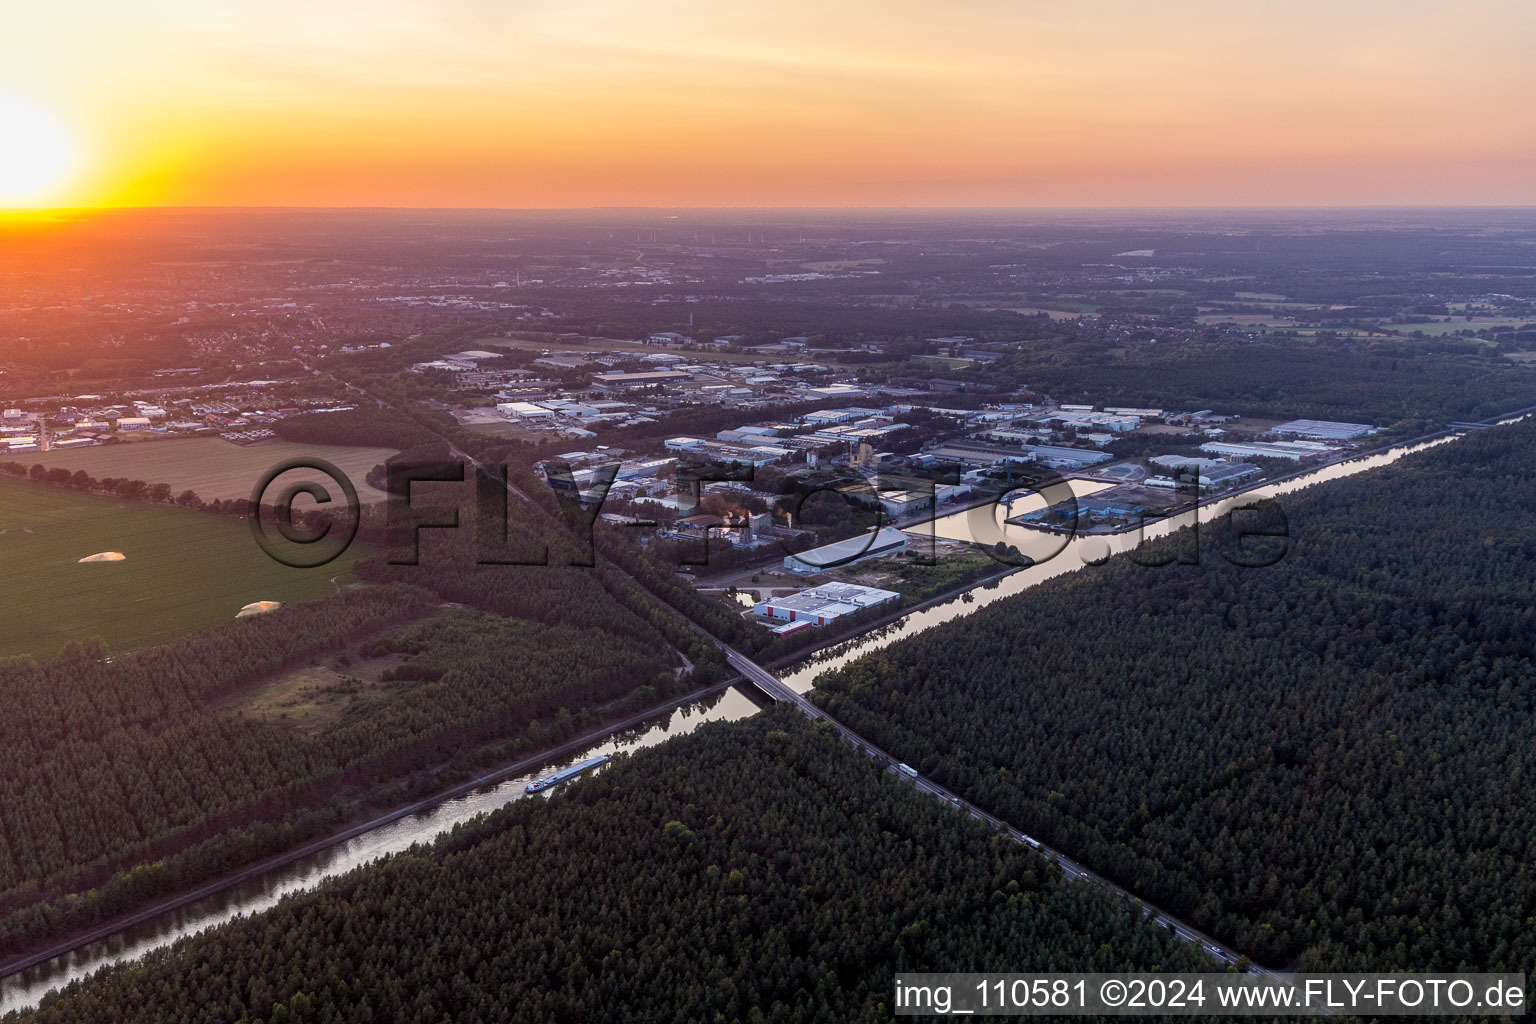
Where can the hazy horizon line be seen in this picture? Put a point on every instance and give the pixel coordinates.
(23, 212)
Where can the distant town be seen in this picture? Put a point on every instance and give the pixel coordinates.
(900, 454)
(893, 526)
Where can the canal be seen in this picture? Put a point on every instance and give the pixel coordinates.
(1053, 554)
(25, 988)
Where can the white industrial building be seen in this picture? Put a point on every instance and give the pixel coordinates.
(1324, 430)
(1295, 451)
(827, 417)
(1214, 476)
(1228, 474)
(644, 468)
(747, 435)
(1064, 458)
(846, 552)
(524, 411)
(1080, 419)
(1183, 462)
(904, 503)
(821, 605)
(755, 455)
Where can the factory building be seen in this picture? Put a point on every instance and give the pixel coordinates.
(1063, 458)
(524, 411)
(713, 451)
(828, 417)
(1295, 451)
(826, 603)
(1324, 430)
(846, 552)
(1213, 475)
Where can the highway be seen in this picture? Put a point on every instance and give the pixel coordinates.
(775, 688)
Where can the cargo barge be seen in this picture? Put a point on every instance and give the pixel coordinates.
(564, 774)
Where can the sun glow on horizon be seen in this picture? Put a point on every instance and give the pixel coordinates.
(37, 154)
(410, 103)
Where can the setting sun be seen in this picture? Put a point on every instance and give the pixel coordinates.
(36, 153)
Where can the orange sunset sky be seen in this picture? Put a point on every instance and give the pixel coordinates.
(474, 103)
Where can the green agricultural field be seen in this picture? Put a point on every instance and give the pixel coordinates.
(212, 467)
(183, 570)
(944, 362)
(1441, 328)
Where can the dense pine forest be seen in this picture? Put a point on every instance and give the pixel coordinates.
(129, 777)
(1327, 762)
(753, 871)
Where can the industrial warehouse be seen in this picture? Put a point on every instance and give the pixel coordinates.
(847, 552)
(1324, 430)
(820, 605)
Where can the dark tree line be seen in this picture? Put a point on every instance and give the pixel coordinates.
(107, 762)
(1381, 382)
(161, 493)
(539, 558)
(1326, 761)
(122, 487)
(752, 871)
(367, 426)
(128, 777)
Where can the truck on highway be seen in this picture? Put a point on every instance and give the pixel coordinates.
(907, 770)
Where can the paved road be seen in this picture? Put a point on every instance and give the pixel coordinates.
(780, 692)
(493, 472)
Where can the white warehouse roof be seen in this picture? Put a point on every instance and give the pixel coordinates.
(846, 552)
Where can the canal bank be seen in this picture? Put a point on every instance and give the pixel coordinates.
(1055, 555)
(264, 885)
(25, 980)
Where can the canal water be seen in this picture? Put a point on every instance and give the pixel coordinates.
(1053, 556)
(27, 987)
